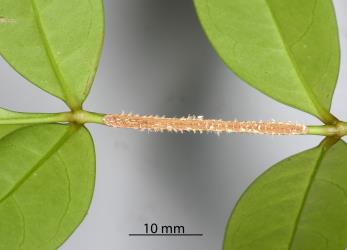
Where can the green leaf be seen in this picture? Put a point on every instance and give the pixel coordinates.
(7, 129)
(300, 203)
(287, 49)
(55, 44)
(46, 184)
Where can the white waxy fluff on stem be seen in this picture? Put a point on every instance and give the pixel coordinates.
(198, 124)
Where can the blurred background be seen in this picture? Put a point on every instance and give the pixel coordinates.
(156, 60)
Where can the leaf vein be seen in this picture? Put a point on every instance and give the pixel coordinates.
(67, 135)
(337, 186)
(305, 196)
(66, 209)
(23, 222)
(55, 67)
(324, 114)
(309, 26)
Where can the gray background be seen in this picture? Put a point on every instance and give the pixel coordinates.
(156, 60)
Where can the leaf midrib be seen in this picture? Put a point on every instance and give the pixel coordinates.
(304, 199)
(57, 72)
(64, 138)
(324, 114)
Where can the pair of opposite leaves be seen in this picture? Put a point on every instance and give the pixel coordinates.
(287, 49)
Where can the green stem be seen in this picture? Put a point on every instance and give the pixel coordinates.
(80, 117)
(326, 130)
(31, 118)
(87, 117)
(337, 130)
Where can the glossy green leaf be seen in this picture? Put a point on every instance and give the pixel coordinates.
(55, 44)
(6, 113)
(7, 129)
(287, 49)
(300, 203)
(46, 184)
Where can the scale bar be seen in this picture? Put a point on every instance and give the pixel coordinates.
(165, 234)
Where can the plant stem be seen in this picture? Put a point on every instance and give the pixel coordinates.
(326, 130)
(184, 124)
(199, 124)
(79, 117)
(337, 130)
(33, 118)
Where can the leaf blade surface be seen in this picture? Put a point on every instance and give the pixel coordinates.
(55, 44)
(299, 203)
(289, 49)
(46, 188)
